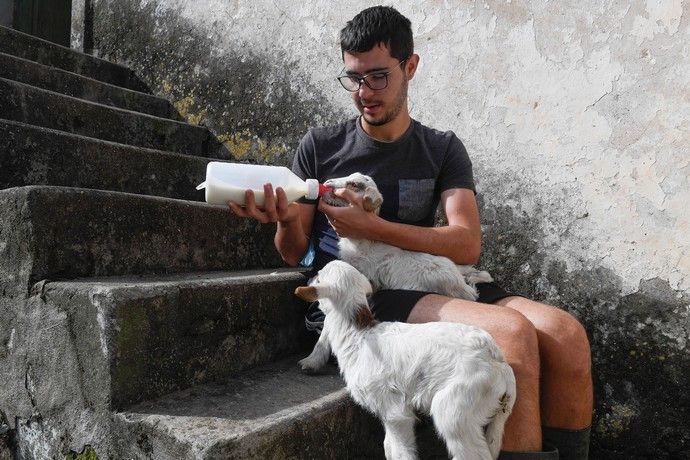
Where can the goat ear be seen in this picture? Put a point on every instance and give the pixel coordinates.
(307, 293)
(364, 318)
(372, 199)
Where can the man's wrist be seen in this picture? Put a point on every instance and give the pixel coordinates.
(289, 223)
(380, 229)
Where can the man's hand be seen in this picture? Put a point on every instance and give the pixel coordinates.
(275, 209)
(352, 221)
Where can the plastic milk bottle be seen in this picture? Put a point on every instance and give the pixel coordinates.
(229, 181)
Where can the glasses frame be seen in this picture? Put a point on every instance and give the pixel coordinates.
(363, 78)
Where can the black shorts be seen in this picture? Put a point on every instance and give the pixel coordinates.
(396, 305)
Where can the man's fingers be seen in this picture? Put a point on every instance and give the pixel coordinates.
(237, 209)
(282, 203)
(348, 195)
(251, 209)
(270, 204)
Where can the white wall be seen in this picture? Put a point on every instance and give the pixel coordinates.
(575, 111)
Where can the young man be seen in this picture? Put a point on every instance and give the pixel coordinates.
(415, 167)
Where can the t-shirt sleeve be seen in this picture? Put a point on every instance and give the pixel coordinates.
(304, 163)
(456, 170)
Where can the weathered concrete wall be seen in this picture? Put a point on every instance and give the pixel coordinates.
(6, 12)
(575, 115)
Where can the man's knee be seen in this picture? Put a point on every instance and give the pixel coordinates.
(572, 354)
(518, 339)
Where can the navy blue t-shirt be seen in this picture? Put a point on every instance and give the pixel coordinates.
(411, 173)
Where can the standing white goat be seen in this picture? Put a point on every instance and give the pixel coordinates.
(451, 371)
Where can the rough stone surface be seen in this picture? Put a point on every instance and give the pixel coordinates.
(273, 412)
(575, 117)
(71, 84)
(6, 439)
(164, 334)
(31, 155)
(27, 104)
(35, 49)
(64, 233)
(76, 352)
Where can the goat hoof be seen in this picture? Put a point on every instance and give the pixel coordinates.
(309, 366)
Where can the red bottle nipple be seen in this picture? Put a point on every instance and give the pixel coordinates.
(323, 189)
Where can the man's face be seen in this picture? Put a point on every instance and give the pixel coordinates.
(378, 107)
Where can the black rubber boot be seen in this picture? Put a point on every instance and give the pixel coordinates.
(571, 444)
(548, 453)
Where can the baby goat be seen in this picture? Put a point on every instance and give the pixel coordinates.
(389, 267)
(451, 371)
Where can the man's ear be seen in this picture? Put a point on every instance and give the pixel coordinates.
(307, 293)
(411, 66)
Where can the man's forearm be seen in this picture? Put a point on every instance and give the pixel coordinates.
(458, 243)
(291, 242)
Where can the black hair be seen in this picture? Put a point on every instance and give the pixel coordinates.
(378, 24)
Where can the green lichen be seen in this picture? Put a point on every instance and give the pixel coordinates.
(238, 144)
(184, 107)
(245, 144)
(87, 453)
(616, 422)
(131, 349)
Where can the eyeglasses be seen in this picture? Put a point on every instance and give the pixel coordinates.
(375, 80)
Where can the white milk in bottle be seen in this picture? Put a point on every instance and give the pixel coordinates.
(229, 181)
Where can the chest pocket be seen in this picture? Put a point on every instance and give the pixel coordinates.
(415, 198)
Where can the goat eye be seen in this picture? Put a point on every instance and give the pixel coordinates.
(356, 186)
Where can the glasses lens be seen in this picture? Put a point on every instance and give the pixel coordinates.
(377, 80)
(349, 83)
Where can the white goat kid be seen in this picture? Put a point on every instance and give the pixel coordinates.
(389, 267)
(451, 371)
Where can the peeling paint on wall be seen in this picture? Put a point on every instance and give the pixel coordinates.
(576, 117)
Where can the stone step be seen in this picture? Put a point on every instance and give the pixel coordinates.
(146, 337)
(269, 413)
(31, 155)
(59, 233)
(72, 84)
(40, 107)
(35, 49)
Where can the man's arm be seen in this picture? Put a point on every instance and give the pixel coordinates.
(460, 240)
(292, 237)
(294, 221)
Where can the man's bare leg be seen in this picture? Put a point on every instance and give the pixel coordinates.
(517, 338)
(566, 383)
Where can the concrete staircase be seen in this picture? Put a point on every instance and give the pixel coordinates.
(135, 320)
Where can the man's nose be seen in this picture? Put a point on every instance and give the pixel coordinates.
(364, 91)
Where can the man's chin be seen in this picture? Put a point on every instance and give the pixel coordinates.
(374, 121)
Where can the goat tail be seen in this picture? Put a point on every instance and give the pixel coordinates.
(494, 429)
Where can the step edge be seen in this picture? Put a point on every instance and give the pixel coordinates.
(30, 189)
(104, 106)
(57, 132)
(68, 49)
(85, 77)
(210, 279)
(328, 402)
